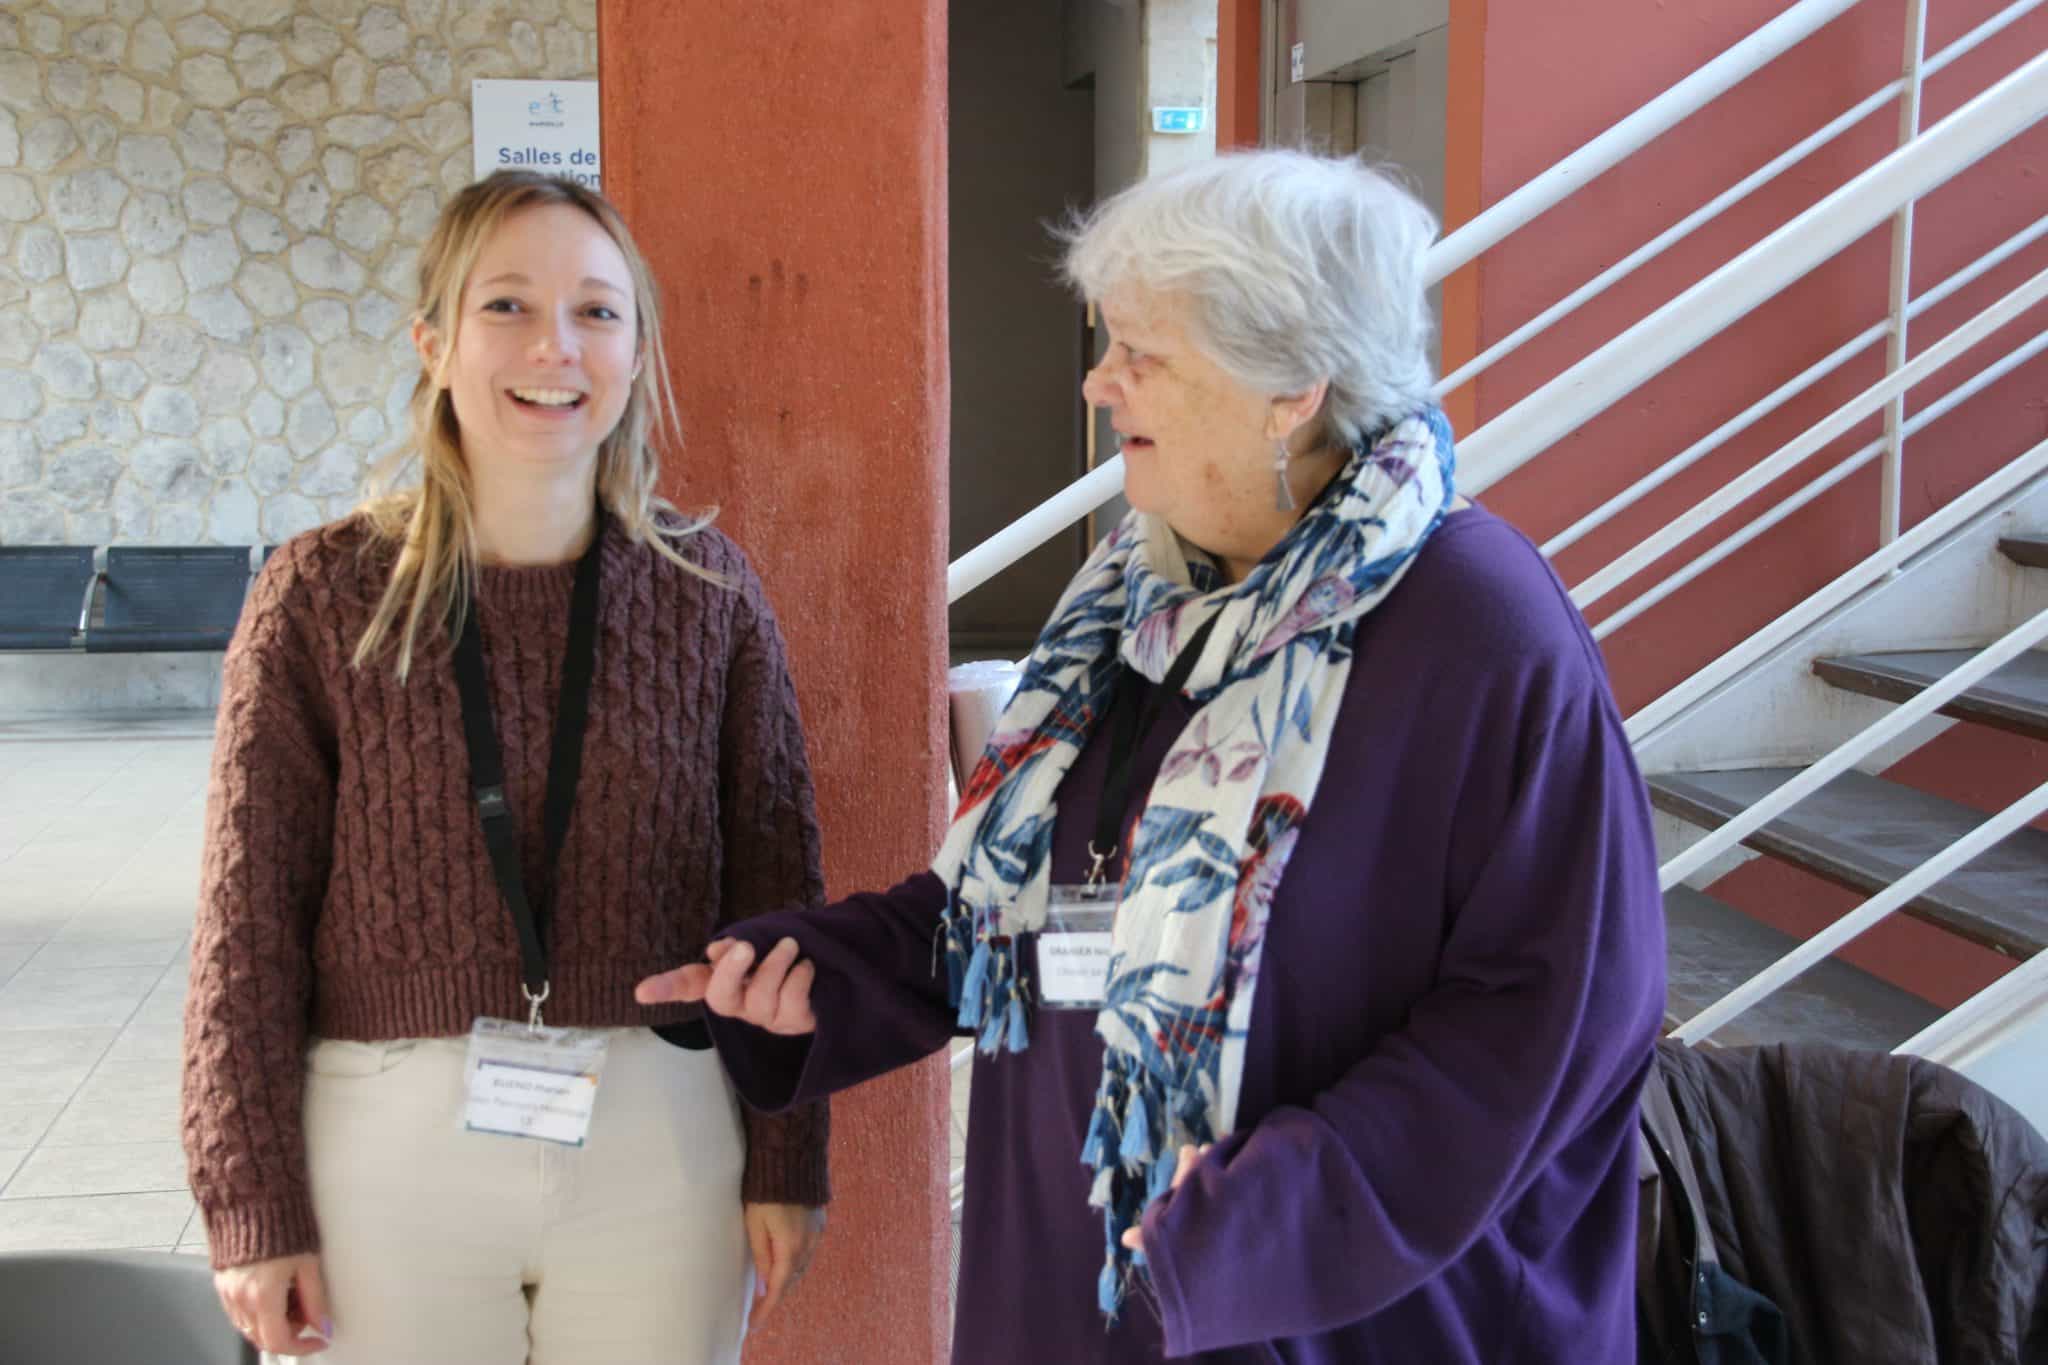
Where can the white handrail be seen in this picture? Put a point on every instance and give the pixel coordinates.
(1814, 438)
(1594, 384)
(1682, 100)
(1034, 528)
(1643, 725)
(1934, 412)
(2014, 817)
(1956, 1037)
(1722, 202)
(1789, 390)
(1849, 752)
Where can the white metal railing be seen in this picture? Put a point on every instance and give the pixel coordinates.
(1901, 292)
(1926, 417)
(1728, 198)
(1645, 350)
(1846, 755)
(1816, 438)
(1901, 892)
(1034, 528)
(1743, 59)
(1981, 1022)
(1789, 390)
(1647, 725)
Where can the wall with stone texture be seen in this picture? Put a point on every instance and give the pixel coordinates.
(210, 214)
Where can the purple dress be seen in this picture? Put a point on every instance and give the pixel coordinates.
(1434, 1158)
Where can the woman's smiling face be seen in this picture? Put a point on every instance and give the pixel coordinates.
(546, 349)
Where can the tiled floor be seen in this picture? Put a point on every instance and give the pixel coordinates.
(99, 864)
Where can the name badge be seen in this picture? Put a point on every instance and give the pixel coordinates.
(526, 1082)
(1074, 947)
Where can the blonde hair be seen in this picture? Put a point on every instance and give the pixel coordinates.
(433, 526)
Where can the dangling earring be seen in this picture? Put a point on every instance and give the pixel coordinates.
(1283, 496)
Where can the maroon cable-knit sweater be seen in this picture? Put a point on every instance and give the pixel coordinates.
(346, 891)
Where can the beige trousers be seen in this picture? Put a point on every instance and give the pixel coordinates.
(445, 1247)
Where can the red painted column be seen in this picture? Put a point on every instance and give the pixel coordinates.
(1240, 68)
(783, 165)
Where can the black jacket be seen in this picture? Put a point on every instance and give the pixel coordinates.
(1859, 1208)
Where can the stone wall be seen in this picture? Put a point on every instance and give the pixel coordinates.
(210, 214)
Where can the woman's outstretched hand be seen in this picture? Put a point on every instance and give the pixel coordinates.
(776, 995)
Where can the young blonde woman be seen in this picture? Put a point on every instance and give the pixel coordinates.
(489, 752)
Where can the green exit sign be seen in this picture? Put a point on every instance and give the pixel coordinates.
(1167, 119)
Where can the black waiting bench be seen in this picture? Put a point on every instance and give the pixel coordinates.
(123, 598)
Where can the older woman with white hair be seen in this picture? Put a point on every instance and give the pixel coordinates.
(1304, 902)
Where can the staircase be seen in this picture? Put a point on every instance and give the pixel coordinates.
(1713, 948)
(1863, 832)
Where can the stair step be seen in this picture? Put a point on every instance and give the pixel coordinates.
(1714, 948)
(2014, 698)
(1865, 833)
(2031, 551)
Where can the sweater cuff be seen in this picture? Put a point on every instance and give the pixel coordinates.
(245, 1233)
(786, 1172)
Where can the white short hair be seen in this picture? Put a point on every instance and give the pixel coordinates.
(1300, 268)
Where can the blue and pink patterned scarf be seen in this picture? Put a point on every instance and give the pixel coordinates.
(1220, 820)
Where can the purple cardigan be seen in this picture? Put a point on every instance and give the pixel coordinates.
(1434, 1158)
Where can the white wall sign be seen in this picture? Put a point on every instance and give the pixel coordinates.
(546, 126)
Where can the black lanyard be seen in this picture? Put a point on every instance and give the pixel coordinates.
(565, 763)
(1129, 728)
